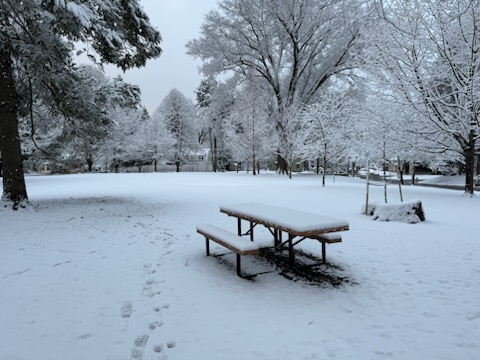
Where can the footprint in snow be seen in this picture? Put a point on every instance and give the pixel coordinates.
(139, 346)
(159, 353)
(150, 288)
(160, 350)
(127, 309)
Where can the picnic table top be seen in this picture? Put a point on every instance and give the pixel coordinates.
(294, 222)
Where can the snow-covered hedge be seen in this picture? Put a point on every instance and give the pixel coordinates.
(409, 212)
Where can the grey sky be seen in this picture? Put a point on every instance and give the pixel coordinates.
(178, 22)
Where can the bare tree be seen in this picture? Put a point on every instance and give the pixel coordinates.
(291, 139)
(249, 133)
(155, 139)
(329, 128)
(295, 46)
(431, 51)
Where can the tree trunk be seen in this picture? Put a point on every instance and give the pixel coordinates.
(324, 164)
(14, 188)
(469, 154)
(215, 154)
(177, 164)
(477, 161)
(90, 164)
(400, 169)
(213, 150)
(282, 165)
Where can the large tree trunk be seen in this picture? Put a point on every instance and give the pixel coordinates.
(14, 188)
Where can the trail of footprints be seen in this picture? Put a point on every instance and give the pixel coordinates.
(146, 342)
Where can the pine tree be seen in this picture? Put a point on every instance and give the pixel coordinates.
(37, 39)
(178, 115)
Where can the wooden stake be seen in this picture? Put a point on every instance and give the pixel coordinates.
(398, 176)
(368, 179)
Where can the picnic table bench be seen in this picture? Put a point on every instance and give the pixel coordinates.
(298, 225)
(231, 241)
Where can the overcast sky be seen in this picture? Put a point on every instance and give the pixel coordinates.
(178, 22)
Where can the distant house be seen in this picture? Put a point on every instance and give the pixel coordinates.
(409, 167)
(202, 155)
(297, 166)
(45, 168)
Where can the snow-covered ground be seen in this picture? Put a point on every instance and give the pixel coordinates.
(110, 267)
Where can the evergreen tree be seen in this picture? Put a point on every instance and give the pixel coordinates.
(215, 101)
(37, 39)
(178, 114)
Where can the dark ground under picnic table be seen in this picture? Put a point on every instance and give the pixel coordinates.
(307, 267)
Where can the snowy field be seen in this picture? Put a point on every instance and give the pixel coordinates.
(109, 267)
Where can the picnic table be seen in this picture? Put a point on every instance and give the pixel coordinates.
(297, 225)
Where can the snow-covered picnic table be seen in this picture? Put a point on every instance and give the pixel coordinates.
(299, 225)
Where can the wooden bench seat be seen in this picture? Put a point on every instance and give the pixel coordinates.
(233, 242)
(330, 238)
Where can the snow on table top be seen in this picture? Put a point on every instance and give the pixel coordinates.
(299, 222)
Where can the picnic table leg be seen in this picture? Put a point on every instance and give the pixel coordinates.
(324, 253)
(291, 255)
(239, 270)
(251, 231)
(207, 246)
(239, 226)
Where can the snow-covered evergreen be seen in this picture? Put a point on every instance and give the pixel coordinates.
(37, 40)
(178, 116)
